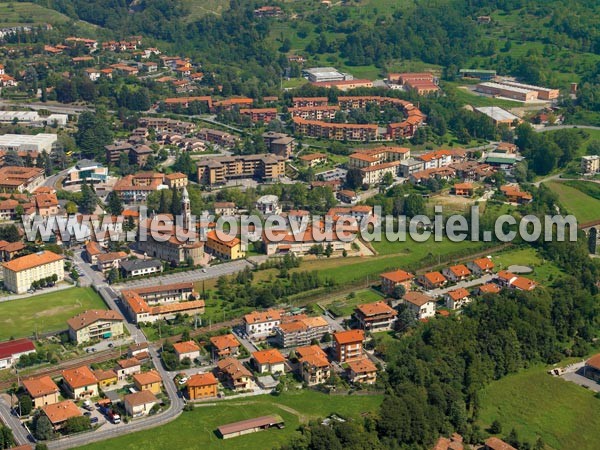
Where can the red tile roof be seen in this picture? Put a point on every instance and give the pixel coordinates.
(349, 336)
(60, 412)
(33, 260)
(397, 276)
(79, 377)
(92, 316)
(14, 347)
(186, 347)
(201, 380)
(38, 387)
(363, 365)
(271, 356)
(377, 308)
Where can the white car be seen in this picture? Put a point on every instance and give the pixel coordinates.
(183, 380)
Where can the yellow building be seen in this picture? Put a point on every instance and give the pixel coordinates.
(148, 381)
(21, 272)
(43, 391)
(95, 324)
(231, 249)
(202, 385)
(106, 378)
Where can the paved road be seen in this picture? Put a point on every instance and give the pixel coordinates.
(565, 127)
(19, 432)
(175, 409)
(189, 276)
(462, 284)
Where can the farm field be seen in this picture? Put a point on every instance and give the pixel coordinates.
(196, 429)
(584, 207)
(535, 404)
(45, 312)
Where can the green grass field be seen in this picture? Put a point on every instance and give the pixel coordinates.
(45, 312)
(584, 207)
(196, 429)
(391, 255)
(565, 415)
(345, 306)
(543, 271)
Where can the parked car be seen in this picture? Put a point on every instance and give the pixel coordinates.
(94, 420)
(183, 380)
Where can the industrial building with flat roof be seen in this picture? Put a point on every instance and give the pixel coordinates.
(502, 90)
(32, 142)
(321, 74)
(498, 115)
(542, 92)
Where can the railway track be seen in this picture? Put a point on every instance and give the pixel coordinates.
(56, 370)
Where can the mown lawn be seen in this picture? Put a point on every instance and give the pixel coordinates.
(565, 415)
(45, 312)
(345, 306)
(584, 207)
(543, 271)
(196, 429)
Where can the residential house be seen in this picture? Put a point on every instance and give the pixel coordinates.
(348, 345)
(92, 250)
(80, 382)
(105, 262)
(515, 195)
(187, 349)
(463, 189)
(361, 371)
(11, 351)
(457, 298)
(140, 267)
(481, 266)
(223, 346)
(456, 273)
(148, 381)
(313, 365)
(202, 385)
(313, 159)
(106, 378)
(95, 324)
(391, 280)
(128, 367)
(139, 403)
(176, 180)
(376, 316)
(269, 361)
(432, 280)
(489, 288)
(523, 284)
(59, 413)
(421, 305)
(225, 208)
(262, 324)
(495, 443)
(228, 249)
(43, 391)
(455, 442)
(504, 278)
(46, 204)
(234, 374)
(591, 369)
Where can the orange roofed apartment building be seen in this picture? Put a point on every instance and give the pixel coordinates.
(391, 280)
(348, 345)
(376, 316)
